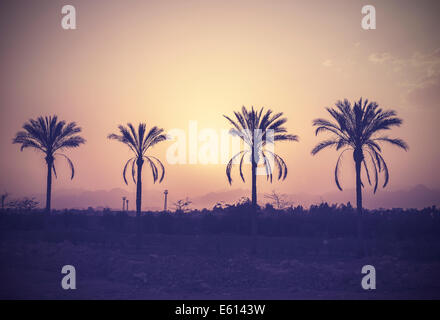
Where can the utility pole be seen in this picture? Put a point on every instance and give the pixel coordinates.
(123, 204)
(165, 200)
(4, 196)
(127, 205)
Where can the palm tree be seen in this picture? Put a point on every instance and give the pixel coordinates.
(357, 129)
(50, 136)
(258, 130)
(139, 142)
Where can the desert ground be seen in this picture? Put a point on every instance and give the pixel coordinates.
(207, 267)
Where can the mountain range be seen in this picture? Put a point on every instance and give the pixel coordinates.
(418, 196)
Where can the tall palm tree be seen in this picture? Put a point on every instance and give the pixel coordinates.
(257, 130)
(139, 142)
(51, 137)
(358, 129)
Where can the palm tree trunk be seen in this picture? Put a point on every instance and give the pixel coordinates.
(254, 206)
(139, 163)
(359, 209)
(139, 187)
(49, 185)
(254, 184)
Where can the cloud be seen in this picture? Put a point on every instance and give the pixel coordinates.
(327, 63)
(426, 96)
(419, 75)
(380, 57)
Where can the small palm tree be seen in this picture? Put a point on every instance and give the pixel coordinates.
(357, 129)
(50, 136)
(257, 130)
(139, 142)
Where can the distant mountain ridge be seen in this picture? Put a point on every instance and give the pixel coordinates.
(418, 196)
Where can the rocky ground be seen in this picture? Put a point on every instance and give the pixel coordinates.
(161, 270)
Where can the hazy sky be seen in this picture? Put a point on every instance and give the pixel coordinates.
(170, 62)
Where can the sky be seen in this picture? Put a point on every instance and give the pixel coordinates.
(168, 63)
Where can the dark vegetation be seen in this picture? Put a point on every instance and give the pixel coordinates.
(329, 229)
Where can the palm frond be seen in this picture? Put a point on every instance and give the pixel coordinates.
(229, 166)
(161, 167)
(134, 137)
(71, 142)
(322, 145)
(286, 137)
(241, 166)
(54, 170)
(72, 168)
(133, 170)
(366, 171)
(386, 172)
(125, 170)
(281, 165)
(153, 169)
(337, 168)
(376, 175)
(268, 167)
(397, 142)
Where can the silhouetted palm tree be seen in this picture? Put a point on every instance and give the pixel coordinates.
(257, 130)
(49, 135)
(139, 142)
(356, 128)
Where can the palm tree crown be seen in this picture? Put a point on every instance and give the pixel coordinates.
(50, 136)
(357, 128)
(139, 142)
(257, 130)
